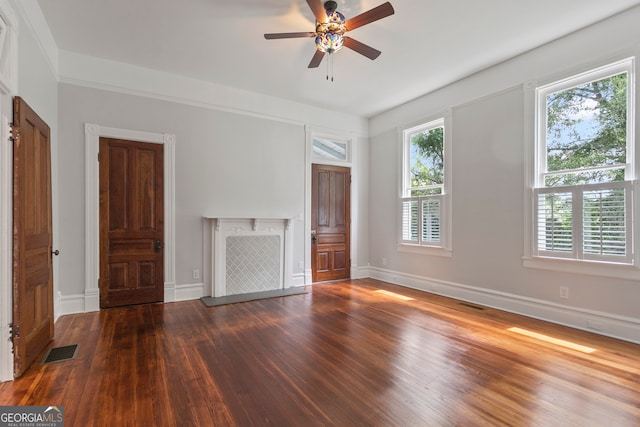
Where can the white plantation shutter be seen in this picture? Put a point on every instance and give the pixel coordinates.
(431, 220)
(554, 222)
(585, 222)
(421, 218)
(410, 220)
(604, 222)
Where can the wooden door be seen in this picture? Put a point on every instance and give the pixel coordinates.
(32, 237)
(330, 223)
(131, 223)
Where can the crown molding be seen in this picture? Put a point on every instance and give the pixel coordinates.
(98, 73)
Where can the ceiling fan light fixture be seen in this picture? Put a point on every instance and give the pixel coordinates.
(335, 23)
(329, 42)
(331, 27)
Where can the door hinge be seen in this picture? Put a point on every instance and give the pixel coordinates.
(14, 132)
(98, 156)
(14, 331)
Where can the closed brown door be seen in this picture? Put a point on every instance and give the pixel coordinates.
(32, 237)
(131, 223)
(330, 223)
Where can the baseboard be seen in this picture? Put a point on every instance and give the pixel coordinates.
(360, 272)
(169, 292)
(620, 327)
(92, 300)
(70, 304)
(84, 303)
(189, 291)
(298, 279)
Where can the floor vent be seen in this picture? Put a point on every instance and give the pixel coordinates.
(475, 307)
(60, 354)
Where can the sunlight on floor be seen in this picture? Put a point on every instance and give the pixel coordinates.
(394, 295)
(556, 341)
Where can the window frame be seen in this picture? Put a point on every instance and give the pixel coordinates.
(443, 246)
(536, 170)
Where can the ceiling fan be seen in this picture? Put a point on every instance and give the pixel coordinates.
(331, 26)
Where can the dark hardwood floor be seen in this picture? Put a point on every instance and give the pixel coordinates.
(342, 355)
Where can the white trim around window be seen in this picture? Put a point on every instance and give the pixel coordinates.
(577, 260)
(430, 205)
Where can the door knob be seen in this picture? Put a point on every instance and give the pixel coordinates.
(158, 245)
(56, 252)
(313, 236)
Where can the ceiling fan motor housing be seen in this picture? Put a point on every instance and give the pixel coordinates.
(330, 6)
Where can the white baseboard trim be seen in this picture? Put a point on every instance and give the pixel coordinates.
(620, 327)
(92, 300)
(360, 272)
(71, 304)
(298, 279)
(188, 292)
(169, 292)
(308, 277)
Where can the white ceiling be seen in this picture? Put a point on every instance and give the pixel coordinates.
(425, 45)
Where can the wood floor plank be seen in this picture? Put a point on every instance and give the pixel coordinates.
(344, 354)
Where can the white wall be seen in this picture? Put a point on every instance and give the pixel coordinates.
(488, 125)
(227, 164)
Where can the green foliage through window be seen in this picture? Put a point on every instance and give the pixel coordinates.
(587, 128)
(427, 162)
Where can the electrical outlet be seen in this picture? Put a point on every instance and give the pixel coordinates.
(564, 292)
(196, 274)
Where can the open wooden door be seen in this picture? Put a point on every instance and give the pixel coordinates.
(32, 327)
(330, 223)
(131, 222)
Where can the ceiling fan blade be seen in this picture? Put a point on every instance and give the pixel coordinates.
(369, 16)
(318, 10)
(288, 35)
(317, 59)
(361, 48)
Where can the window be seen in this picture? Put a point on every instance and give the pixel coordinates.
(330, 149)
(584, 167)
(424, 189)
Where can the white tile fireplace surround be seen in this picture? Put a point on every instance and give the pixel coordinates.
(250, 255)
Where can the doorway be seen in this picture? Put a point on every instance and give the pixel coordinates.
(131, 222)
(330, 222)
(93, 133)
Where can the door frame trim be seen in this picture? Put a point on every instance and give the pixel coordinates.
(8, 88)
(352, 164)
(93, 132)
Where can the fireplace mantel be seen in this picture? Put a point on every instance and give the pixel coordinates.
(219, 220)
(250, 254)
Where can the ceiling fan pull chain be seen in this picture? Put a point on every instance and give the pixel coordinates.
(328, 59)
(331, 67)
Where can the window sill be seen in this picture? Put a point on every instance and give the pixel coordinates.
(588, 268)
(425, 250)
